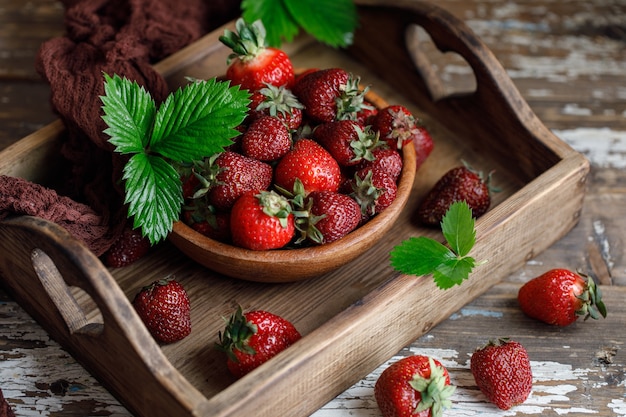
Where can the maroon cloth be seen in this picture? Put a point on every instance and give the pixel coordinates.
(123, 37)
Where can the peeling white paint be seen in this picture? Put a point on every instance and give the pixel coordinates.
(604, 147)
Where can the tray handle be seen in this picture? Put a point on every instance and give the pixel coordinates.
(65, 287)
(384, 41)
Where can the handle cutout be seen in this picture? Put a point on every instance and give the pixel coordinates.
(439, 70)
(71, 302)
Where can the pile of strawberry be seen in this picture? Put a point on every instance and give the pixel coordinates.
(314, 160)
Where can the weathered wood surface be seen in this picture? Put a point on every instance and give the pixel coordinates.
(569, 61)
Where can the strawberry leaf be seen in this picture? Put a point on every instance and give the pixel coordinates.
(450, 264)
(128, 112)
(196, 121)
(329, 21)
(458, 228)
(153, 194)
(279, 24)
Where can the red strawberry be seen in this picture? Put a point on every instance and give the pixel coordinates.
(261, 220)
(560, 297)
(312, 164)
(279, 102)
(347, 141)
(415, 386)
(5, 408)
(253, 338)
(331, 216)
(267, 139)
(423, 144)
(204, 219)
(238, 174)
(502, 372)
(396, 125)
(129, 247)
(164, 308)
(458, 184)
(385, 159)
(253, 64)
(374, 190)
(330, 94)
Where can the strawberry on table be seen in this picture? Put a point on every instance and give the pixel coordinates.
(164, 308)
(560, 296)
(312, 164)
(253, 64)
(415, 386)
(261, 220)
(424, 145)
(129, 247)
(458, 184)
(251, 339)
(502, 372)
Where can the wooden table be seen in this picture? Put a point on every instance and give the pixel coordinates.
(569, 61)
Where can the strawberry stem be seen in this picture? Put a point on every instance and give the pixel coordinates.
(435, 394)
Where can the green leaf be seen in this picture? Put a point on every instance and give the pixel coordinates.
(453, 271)
(154, 195)
(458, 228)
(129, 112)
(419, 256)
(198, 120)
(330, 21)
(279, 24)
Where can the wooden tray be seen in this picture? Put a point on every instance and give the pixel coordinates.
(352, 319)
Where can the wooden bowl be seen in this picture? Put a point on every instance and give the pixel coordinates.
(287, 265)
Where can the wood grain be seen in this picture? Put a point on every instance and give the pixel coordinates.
(567, 59)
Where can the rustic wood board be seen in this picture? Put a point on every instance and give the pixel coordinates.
(363, 297)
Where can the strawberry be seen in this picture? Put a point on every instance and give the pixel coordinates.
(424, 145)
(5, 408)
(331, 216)
(386, 159)
(415, 386)
(267, 139)
(253, 64)
(253, 338)
(204, 219)
(502, 372)
(261, 220)
(560, 297)
(129, 247)
(373, 189)
(237, 174)
(164, 308)
(458, 184)
(330, 94)
(396, 125)
(276, 101)
(312, 164)
(347, 141)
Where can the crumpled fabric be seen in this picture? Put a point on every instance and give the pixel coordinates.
(123, 37)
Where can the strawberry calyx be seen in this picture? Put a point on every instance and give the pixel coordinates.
(435, 394)
(366, 193)
(591, 300)
(247, 42)
(305, 220)
(278, 99)
(236, 335)
(275, 205)
(367, 140)
(351, 99)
